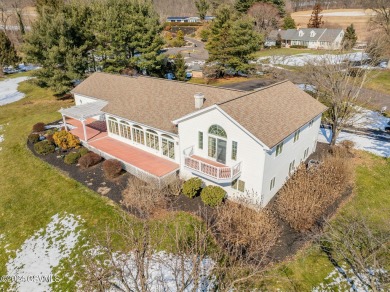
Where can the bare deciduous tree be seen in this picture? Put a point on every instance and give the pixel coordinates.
(363, 250)
(265, 15)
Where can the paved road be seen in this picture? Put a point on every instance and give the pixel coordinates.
(250, 84)
(192, 53)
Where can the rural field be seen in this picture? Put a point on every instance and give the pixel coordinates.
(339, 18)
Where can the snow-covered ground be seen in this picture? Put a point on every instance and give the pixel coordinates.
(9, 90)
(42, 252)
(343, 14)
(303, 59)
(369, 120)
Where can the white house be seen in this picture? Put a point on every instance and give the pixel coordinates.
(248, 143)
(312, 38)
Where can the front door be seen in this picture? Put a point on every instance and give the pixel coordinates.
(221, 151)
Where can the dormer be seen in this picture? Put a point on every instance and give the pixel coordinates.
(312, 34)
(301, 33)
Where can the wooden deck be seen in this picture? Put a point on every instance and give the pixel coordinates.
(146, 161)
(208, 161)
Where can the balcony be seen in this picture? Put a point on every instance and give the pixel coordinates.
(211, 170)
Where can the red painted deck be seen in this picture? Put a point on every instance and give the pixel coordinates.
(95, 129)
(141, 159)
(208, 161)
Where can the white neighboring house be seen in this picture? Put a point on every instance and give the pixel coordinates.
(312, 38)
(248, 143)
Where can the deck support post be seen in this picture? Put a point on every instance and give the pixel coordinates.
(64, 120)
(84, 129)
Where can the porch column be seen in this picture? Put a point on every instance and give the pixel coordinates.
(85, 130)
(64, 120)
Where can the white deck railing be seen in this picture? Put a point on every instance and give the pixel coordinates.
(224, 173)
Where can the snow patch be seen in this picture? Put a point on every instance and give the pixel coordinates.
(9, 90)
(43, 251)
(369, 120)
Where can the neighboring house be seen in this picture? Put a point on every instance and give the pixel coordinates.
(248, 143)
(188, 18)
(312, 38)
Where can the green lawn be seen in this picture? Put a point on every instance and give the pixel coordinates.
(380, 81)
(31, 191)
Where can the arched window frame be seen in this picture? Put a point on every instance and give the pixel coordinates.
(125, 129)
(218, 131)
(152, 139)
(113, 126)
(168, 146)
(138, 134)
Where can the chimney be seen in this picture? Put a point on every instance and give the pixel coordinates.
(199, 99)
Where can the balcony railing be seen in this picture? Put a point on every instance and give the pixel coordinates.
(216, 173)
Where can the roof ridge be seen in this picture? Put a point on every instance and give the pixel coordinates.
(167, 80)
(254, 91)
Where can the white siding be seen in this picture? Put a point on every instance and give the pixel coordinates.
(249, 151)
(79, 99)
(278, 166)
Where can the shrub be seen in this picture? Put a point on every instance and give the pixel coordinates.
(44, 147)
(143, 198)
(246, 232)
(175, 187)
(39, 127)
(212, 195)
(51, 131)
(72, 158)
(33, 138)
(306, 197)
(192, 186)
(112, 168)
(49, 137)
(65, 140)
(89, 159)
(83, 151)
(298, 47)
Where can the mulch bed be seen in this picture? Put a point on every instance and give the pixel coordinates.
(288, 244)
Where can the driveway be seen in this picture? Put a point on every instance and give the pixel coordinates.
(196, 52)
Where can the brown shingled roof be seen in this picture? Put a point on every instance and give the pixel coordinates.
(273, 113)
(150, 101)
(270, 114)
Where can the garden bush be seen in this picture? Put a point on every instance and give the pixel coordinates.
(83, 151)
(192, 187)
(44, 147)
(33, 138)
(112, 168)
(306, 197)
(72, 158)
(50, 138)
(38, 127)
(212, 195)
(89, 159)
(66, 140)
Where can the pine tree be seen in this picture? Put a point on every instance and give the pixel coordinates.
(8, 54)
(202, 6)
(244, 5)
(60, 42)
(289, 22)
(350, 37)
(180, 67)
(232, 41)
(316, 19)
(128, 34)
(278, 41)
(43, 6)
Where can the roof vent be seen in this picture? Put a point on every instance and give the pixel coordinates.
(199, 99)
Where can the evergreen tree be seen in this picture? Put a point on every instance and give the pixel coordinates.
(43, 6)
(315, 18)
(350, 37)
(278, 42)
(180, 67)
(59, 41)
(202, 6)
(128, 35)
(8, 54)
(289, 22)
(244, 5)
(232, 41)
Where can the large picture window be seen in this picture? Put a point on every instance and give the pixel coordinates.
(125, 130)
(168, 146)
(113, 126)
(138, 135)
(152, 139)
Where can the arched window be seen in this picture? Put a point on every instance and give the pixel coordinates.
(125, 130)
(113, 126)
(152, 139)
(217, 131)
(168, 146)
(138, 134)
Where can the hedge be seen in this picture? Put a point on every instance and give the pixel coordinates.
(212, 195)
(72, 158)
(192, 187)
(44, 147)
